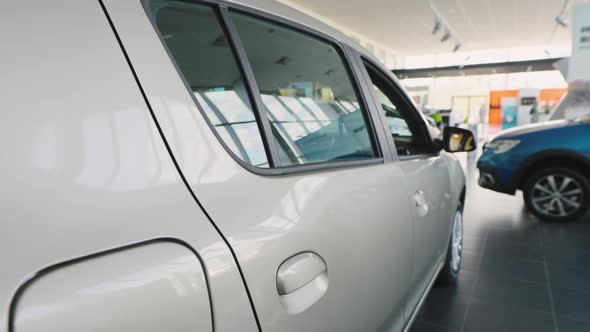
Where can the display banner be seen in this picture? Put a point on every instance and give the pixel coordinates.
(579, 66)
(577, 102)
(509, 112)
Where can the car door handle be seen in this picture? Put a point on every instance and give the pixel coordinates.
(301, 281)
(419, 198)
(421, 205)
(298, 271)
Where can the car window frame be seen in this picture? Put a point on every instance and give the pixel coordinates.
(222, 11)
(404, 102)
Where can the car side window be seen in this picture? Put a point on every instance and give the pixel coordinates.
(203, 54)
(308, 94)
(404, 123)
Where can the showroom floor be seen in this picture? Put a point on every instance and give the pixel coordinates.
(518, 274)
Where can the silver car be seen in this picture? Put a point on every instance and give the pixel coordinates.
(200, 165)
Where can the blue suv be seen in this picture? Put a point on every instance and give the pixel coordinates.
(549, 162)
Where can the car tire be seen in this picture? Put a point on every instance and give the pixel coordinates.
(557, 193)
(450, 271)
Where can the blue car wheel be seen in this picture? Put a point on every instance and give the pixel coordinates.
(557, 193)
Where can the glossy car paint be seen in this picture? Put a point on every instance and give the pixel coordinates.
(358, 220)
(428, 182)
(114, 291)
(560, 138)
(83, 167)
(86, 170)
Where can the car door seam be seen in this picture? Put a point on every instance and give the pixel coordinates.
(178, 169)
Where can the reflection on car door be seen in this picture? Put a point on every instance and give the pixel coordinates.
(344, 233)
(426, 179)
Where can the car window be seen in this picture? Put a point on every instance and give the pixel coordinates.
(203, 54)
(404, 123)
(309, 97)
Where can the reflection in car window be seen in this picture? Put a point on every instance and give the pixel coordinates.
(399, 128)
(397, 125)
(308, 94)
(197, 43)
(404, 128)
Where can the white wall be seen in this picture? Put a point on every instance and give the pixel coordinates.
(579, 67)
(442, 89)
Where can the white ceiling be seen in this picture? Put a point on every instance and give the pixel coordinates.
(405, 26)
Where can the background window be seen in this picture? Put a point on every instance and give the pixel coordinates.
(404, 124)
(201, 50)
(308, 94)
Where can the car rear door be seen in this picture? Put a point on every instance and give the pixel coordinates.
(270, 130)
(99, 231)
(426, 177)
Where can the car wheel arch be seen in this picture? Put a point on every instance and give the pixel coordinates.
(563, 157)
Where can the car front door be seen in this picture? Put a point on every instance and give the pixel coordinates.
(270, 131)
(426, 178)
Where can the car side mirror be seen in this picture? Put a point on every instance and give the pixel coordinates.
(458, 140)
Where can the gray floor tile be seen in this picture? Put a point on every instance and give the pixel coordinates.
(518, 293)
(572, 304)
(465, 284)
(470, 260)
(508, 267)
(473, 243)
(492, 317)
(566, 255)
(444, 307)
(529, 236)
(569, 277)
(568, 325)
(572, 234)
(502, 248)
(503, 282)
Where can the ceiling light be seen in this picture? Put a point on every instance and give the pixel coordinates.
(437, 25)
(561, 20)
(446, 36)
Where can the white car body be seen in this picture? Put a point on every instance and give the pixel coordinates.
(122, 211)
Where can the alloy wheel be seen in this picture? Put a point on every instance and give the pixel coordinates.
(557, 195)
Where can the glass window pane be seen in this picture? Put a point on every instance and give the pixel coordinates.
(307, 92)
(404, 128)
(203, 54)
(397, 124)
